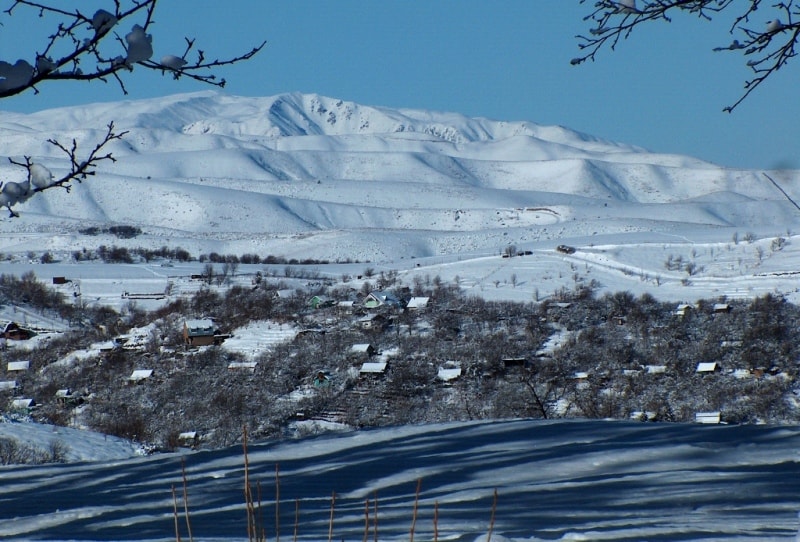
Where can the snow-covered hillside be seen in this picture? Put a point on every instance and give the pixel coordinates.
(214, 172)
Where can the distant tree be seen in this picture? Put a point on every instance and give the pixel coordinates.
(82, 47)
(767, 46)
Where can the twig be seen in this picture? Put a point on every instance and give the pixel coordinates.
(330, 522)
(175, 514)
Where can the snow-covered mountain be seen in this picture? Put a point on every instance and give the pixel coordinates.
(234, 174)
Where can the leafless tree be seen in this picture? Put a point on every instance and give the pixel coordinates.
(767, 46)
(84, 47)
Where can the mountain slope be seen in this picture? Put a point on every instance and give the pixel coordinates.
(208, 169)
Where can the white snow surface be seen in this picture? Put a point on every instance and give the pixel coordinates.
(425, 194)
(563, 480)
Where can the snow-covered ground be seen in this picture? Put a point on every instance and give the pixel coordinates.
(564, 480)
(426, 195)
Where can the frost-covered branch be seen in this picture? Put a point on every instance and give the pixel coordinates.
(81, 48)
(87, 47)
(767, 45)
(40, 178)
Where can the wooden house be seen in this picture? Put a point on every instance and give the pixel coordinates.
(13, 332)
(198, 332)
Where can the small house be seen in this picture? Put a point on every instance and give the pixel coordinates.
(9, 385)
(363, 350)
(377, 368)
(449, 372)
(18, 366)
(321, 302)
(13, 332)
(189, 439)
(707, 417)
(198, 332)
(66, 397)
(246, 366)
(140, 375)
(417, 303)
(378, 299)
(23, 405)
(655, 369)
(707, 367)
(721, 308)
(682, 310)
(321, 380)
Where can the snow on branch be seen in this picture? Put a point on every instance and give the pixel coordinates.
(768, 45)
(40, 178)
(81, 48)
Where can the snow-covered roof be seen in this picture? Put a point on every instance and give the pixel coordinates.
(418, 302)
(706, 366)
(707, 417)
(140, 374)
(373, 367)
(8, 385)
(245, 365)
(200, 326)
(361, 347)
(448, 373)
(18, 365)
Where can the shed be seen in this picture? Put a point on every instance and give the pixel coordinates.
(682, 309)
(18, 366)
(198, 332)
(655, 369)
(67, 397)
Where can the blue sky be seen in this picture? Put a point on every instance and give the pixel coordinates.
(663, 89)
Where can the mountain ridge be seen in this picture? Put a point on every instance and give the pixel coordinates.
(214, 168)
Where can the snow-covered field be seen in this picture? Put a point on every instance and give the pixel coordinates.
(565, 480)
(424, 194)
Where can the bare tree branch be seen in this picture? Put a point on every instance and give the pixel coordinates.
(767, 49)
(80, 50)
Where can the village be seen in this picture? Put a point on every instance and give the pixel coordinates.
(290, 356)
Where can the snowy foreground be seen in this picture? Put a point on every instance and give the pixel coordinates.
(564, 480)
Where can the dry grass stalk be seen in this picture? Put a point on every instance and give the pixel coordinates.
(330, 522)
(248, 493)
(175, 514)
(416, 507)
(366, 520)
(186, 500)
(375, 515)
(491, 521)
(277, 504)
(436, 521)
(296, 518)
